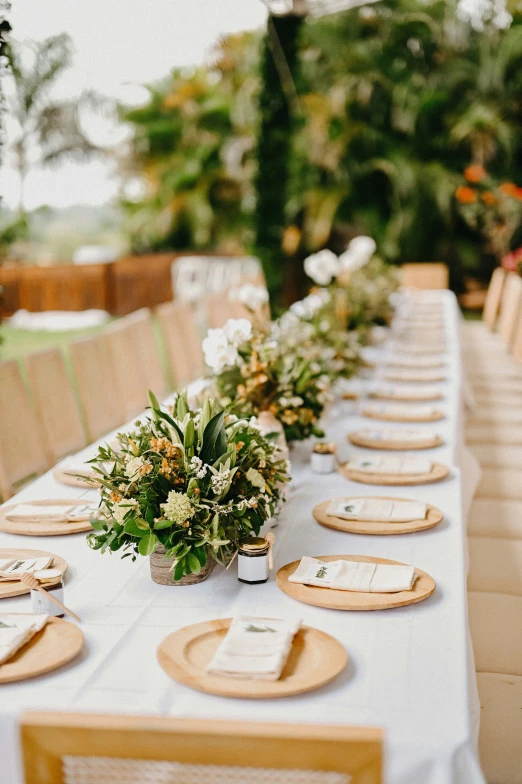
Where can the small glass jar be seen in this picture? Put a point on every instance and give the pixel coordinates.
(41, 604)
(253, 560)
(323, 458)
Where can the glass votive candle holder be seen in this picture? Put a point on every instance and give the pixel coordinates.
(323, 458)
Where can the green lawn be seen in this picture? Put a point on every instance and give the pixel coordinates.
(17, 343)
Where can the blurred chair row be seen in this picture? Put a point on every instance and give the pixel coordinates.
(492, 353)
(60, 411)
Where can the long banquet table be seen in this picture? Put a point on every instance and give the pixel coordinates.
(410, 669)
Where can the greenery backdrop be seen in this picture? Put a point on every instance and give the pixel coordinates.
(394, 101)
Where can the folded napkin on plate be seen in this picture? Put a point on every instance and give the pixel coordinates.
(16, 631)
(413, 375)
(411, 436)
(417, 393)
(354, 576)
(401, 410)
(12, 568)
(254, 648)
(29, 513)
(390, 465)
(376, 510)
(416, 362)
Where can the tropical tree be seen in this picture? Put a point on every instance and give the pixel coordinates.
(46, 129)
(192, 150)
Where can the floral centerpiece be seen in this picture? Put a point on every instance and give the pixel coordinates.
(357, 280)
(262, 372)
(186, 489)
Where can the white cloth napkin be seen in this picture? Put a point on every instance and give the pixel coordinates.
(401, 410)
(391, 465)
(254, 648)
(376, 510)
(354, 576)
(12, 568)
(399, 434)
(29, 513)
(413, 375)
(16, 631)
(435, 361)
(413, 392)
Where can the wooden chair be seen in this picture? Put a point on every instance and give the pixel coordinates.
(22, 452)
(183, 341)
(493, 297)
(75, 748)
(425, 275)
(97, 385)
(125, 358)
(55, 404)
(510, 308)
(140, 326)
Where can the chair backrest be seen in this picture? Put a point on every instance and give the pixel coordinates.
(83, 748)
(97, 385)
(56, 407)
(22, 453)
(510, 308)
(125, 358)
(218, 309)
(425, 275)
(183, 341)
(493, 297)
(140, 326)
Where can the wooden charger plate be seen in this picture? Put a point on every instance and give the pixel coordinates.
(351, 600)
(57, 643)
(438, 472)
(47, 528)
(433, 518)
(358, 439)
(72, 481)
(17, 588)
(409, 398)
(315, 659)
(391, 417)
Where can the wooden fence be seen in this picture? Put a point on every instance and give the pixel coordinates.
(122, 287)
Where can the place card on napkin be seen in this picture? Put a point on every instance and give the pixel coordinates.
(16, 631)
(354, 576)
(82, 512)
(377, 510)
(12, 568)
(399, 435)
(254, 648)
(390, 465)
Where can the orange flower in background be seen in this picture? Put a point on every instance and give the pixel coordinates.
(475, 173)
(489, 198)
(466, 195)
(510, 189)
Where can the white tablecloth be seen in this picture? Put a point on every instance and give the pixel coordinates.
(410, 669)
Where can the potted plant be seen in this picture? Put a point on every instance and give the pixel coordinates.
(185, 489)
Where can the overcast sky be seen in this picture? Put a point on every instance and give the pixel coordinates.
(119, 44)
